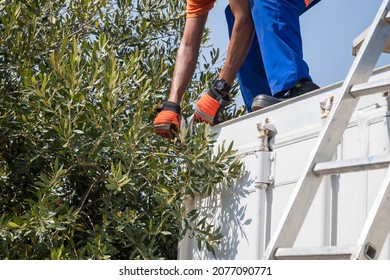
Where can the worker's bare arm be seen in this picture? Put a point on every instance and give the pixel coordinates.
(241, 39)
(187, 56)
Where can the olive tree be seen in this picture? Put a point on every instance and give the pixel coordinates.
(82, 174)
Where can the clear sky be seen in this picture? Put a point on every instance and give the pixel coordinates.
(328, 30)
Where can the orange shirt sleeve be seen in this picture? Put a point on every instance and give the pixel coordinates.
(308, 2)
(197, 8)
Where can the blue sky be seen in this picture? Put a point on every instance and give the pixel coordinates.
(328, 30)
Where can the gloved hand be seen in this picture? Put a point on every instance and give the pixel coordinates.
(206, 108)
(167, 122)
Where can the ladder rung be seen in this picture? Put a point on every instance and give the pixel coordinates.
(358, 41)
(320, 253)
(352, 165)
(370, 87)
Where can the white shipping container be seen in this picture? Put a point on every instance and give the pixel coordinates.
(249, 215)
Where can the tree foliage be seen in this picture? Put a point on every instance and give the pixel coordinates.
(82, 175)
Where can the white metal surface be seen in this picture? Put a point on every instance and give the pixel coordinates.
(248, 216)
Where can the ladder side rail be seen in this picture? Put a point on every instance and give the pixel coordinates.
(308, 184)
(377, 226)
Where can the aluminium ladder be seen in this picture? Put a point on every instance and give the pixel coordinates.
(377, 225)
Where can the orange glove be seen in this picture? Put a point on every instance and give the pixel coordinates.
(207, 107)
(167, 122)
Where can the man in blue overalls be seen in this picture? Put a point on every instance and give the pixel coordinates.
(274, 69)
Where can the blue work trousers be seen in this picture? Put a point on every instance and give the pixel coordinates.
(275, 60)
